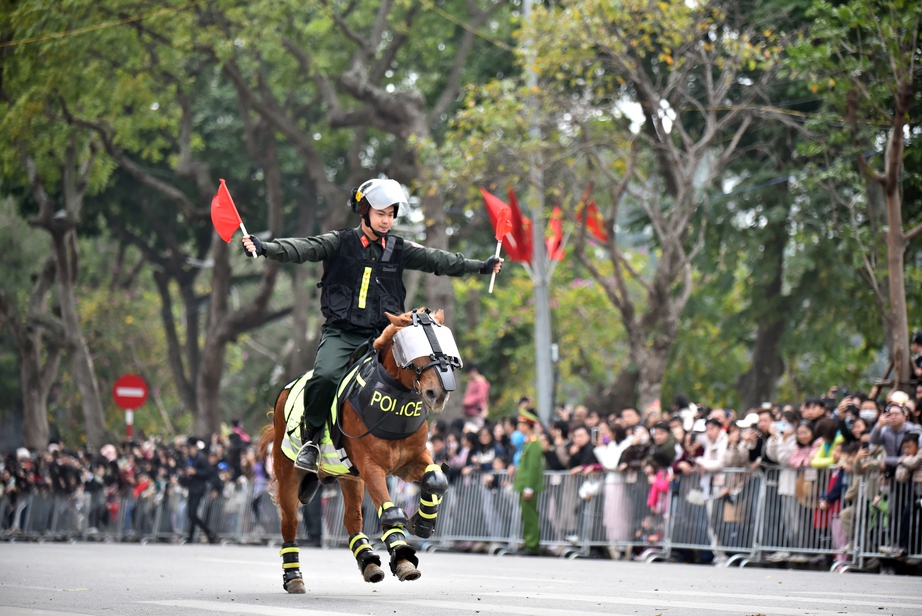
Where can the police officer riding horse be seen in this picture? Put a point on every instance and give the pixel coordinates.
(410, 366)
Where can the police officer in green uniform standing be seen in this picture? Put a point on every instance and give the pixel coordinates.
(362, 279)
(529, 482)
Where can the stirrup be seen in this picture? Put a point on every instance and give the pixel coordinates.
(307, 456)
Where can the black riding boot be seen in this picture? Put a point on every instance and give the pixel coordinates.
(310, 451)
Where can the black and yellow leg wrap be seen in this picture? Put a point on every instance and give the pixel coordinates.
(396, 541)
(433, 486)
(290, 565)
(362, 550)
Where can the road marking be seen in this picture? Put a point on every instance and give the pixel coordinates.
(666, 603)
(129, 392)
(28, 611)
(883, 594)
(482, 607)
(14, 585)
(846, 602)
(244, 608)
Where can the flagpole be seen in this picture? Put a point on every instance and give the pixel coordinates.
(544, 364)
(499, 246)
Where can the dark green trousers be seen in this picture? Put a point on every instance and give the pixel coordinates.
(531, 530)
(336, 347)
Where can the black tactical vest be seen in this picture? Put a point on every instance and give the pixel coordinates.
(357, 291)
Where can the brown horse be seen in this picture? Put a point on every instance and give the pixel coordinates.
(428, 356)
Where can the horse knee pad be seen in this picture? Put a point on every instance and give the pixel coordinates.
(290, 565)
(391, 515)
(434, 481)
(433, 485)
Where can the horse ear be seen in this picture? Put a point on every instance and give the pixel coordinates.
(439, 316)
(395, 320)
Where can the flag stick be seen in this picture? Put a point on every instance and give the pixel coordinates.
(499, 245)
(244, 229)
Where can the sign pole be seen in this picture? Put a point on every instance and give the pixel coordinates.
(129, 424)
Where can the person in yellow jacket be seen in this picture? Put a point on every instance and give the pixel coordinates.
(529, 482)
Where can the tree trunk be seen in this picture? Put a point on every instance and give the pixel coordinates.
(896, 239)
(64, 244)
(898, 315)
(439, 292)
(651, 366)
(771, 309)
(36, 379)
(304, 347)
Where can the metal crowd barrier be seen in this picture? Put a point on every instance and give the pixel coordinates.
(733, 516)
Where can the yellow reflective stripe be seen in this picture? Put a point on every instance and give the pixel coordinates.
(358, 377)
(384, 506)
(396, 529)
(436, 501)
(294, 550)
(433, 467)
(363, 292)
(356, 538)
(361, 548)
(290, 565)
(345, 382)
(428, 516)
(397, 544)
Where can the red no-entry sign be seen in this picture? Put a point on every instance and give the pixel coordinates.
(129, 391)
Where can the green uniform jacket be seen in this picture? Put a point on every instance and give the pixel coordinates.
(415, 257)
(530, 472)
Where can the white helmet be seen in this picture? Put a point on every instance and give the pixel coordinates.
(378, 194)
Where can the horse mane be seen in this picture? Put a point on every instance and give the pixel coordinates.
(383, 341)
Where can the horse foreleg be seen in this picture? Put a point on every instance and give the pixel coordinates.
(433, 484)
(288, 508)
(369, 562)
(393, 522)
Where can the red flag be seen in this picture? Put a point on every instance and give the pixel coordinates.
(503, 224)
(502, 220)
(554, 242)
(224, 214)
(521, 230)
(594, 221)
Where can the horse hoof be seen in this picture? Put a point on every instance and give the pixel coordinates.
(296, 587)
(373, 573)
(406, 572)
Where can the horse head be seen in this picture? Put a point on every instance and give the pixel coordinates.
(418, 350)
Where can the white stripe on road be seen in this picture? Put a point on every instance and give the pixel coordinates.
(481, 607)
(129, 392)
(28, 611)
(236, 607)
(686, 605)
(844, 602)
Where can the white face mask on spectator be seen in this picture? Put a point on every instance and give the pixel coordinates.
(868, 415)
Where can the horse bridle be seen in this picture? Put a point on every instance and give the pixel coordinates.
(426, 337)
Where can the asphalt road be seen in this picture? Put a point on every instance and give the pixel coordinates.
(57, 579)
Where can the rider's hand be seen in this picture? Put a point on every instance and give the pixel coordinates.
(254, 246)
(491, 265)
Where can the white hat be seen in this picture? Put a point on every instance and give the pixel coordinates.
(700, 425)
(382, 193)
(22, 454)
(748, 421)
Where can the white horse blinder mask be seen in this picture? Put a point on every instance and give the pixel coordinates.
(426, 337)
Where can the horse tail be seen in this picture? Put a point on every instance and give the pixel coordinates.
(265, 441)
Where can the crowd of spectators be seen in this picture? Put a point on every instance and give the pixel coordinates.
(143, 473)
(847, 433)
